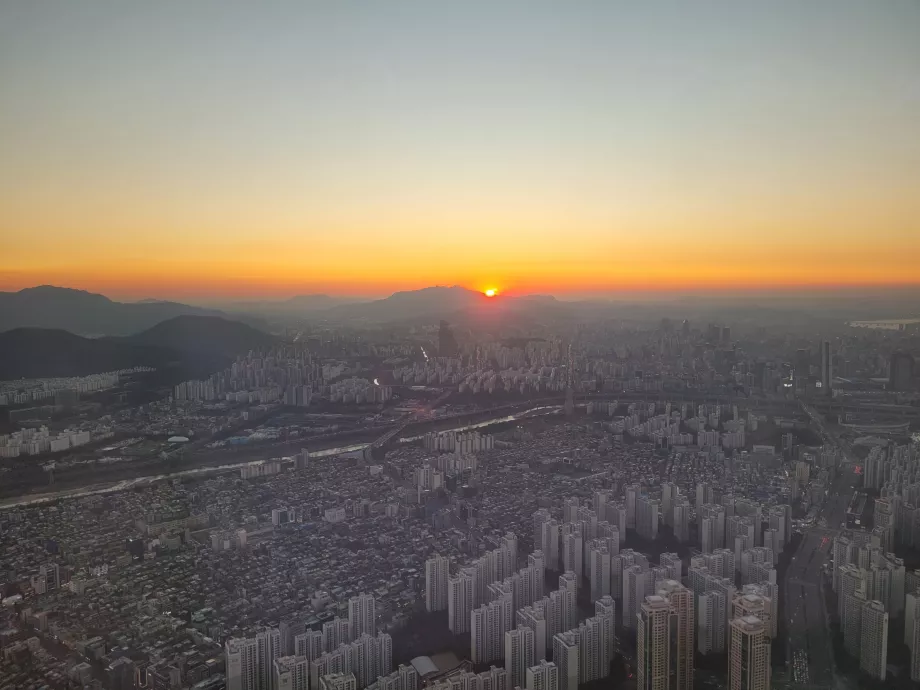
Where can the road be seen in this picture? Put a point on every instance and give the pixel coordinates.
(809, 643)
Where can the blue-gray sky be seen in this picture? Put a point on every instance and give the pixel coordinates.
(241, 147)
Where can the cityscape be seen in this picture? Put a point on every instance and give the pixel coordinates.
(459, 346)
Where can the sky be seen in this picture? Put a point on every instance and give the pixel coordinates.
(247, 150)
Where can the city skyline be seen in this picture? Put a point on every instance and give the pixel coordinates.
(229, 151)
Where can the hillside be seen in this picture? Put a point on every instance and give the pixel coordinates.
(210, 334)
(45, 352)
(86, 313)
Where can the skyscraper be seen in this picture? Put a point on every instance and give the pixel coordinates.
(519, 654)
(268, 644)
(599, 568)
(873, 650)
(534, 618)
(568, 584)
(647, 517)
(572, 545)
(242, 663)
(437, 569)
(362, 614)
(749, 655)
(681, 519)
(827, 373)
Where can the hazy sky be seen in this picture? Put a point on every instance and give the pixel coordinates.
(255, 148)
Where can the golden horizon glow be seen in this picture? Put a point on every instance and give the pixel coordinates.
(641, 150)
(490, 292)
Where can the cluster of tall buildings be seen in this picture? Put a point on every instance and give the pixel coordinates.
(347, 654)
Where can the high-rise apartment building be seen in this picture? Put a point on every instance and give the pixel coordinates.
(712, 527)
(827, 372)
(568, 585)
(599, 568)
(543, 676)
(572, 545)
(665, 640)
(291, 673)
(437, 570)
(519, 654)
(460, 601)
(242, 664)
(681, 519)
(565, 657)
(873, 650)
(749, 655)
(534, 618)
(647, 510)
(362, 615)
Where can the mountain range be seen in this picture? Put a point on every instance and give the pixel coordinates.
(87, 313)
(189, 346)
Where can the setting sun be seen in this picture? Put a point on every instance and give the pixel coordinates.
(491, 292)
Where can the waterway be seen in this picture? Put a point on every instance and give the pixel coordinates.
(127, 484)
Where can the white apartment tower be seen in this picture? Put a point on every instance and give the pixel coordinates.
(543, 676)
(362, 614)
(873, 652)
(460, 601)
(519, 654)
(437, 570)
(565, 657)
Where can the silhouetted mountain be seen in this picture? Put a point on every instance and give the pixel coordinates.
(44, 352)
(413, 304)
(299, 305)
(210, 334)
(84, 312)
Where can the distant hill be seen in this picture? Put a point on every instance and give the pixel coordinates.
(86, 313)
(210, 334)
(183, 347)
(45, 352)
(412, 304)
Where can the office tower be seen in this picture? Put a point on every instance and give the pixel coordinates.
(268, 645)
(632, 495)
(749, 655)
(437, 569)
(647, 517)
(827, 374)
(550, 544)
(669, 493)
(291, 673)
(362, 615)
(519, 654)
(599, 569)
(568, 584)
(543, 676)
(712, 621)
(712, 527)
(538, 575)
(534, 618)
(336, 632)
(242, 663)
(873, 650)
(338, 681)
(572, 558)
(681, 519)
(565, 657)
(460, 601)
(674, 565)
(309, 644)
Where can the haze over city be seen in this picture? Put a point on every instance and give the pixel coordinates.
(460, 345)
(217, 149)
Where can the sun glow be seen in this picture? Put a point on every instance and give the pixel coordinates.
(491, 292)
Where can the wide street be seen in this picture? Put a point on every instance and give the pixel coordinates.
(809, 650)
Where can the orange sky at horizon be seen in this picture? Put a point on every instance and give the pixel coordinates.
(217, 150)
